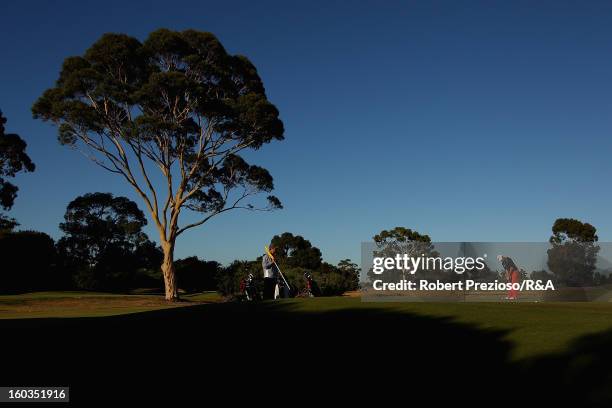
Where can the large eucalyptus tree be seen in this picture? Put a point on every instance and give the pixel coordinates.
(178, 105)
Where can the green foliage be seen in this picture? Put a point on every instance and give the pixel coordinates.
(295, 251)
(228, 278)
(573, 256)
(98, 222)
(542, 275)
(399, 235)
(196, 275)
(401, 240)
(179, 100)
(29, 263)
(601, 279)
(296, 257)
(350, 272)
(7, 224)
(331, 280)
(13, 159)
(572, 230)
(104, 246)
(176, 103)
(295, 277)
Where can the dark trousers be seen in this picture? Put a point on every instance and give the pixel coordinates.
(269, 286)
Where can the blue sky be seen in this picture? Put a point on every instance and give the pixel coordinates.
(468, 121)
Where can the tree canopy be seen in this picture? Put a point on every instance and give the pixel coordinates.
(104, 241)
(400, 240)
(295, 251)
(573, 256)
(13, 159)
(569, 229)
(196, 275)
(95, 222)
(176, 103)
(29, 263)
(400, 235)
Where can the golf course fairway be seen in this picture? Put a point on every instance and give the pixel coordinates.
(532, 329)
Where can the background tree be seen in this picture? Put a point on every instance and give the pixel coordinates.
(295, 251)
(296, 256)
(29, 263)
(178, 104)
(13, 159)
(228, 280)
(573, 256)
(541, 275)
(400, 240)
(601, 279)
(196, 275)
(350, 271)
(104, 244)
(467, 249)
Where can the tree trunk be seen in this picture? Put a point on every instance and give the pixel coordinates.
(169, 272)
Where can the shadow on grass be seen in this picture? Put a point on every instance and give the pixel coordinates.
(580, 377)
(256, 351)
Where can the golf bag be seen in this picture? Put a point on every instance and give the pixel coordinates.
(309, 282)
(248, 289)
(282, 290)
(311, 289)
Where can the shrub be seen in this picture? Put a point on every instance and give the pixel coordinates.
(196, 275)
(29, 263)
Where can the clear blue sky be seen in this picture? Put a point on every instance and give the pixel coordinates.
(468, 121)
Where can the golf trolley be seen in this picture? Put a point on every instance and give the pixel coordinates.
(248, 288)
(282, 289)
(311, 289)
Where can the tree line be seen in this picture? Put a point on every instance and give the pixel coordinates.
(571, 257)
(104, 248)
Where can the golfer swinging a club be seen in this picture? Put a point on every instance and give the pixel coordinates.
(512, 274)
(270, 273)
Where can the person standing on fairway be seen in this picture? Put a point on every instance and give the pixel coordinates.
(270, 273)
(512, 274)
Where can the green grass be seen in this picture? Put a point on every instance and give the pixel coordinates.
(54, 295)
(89, 304)
(533, 328)
(208, 297)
